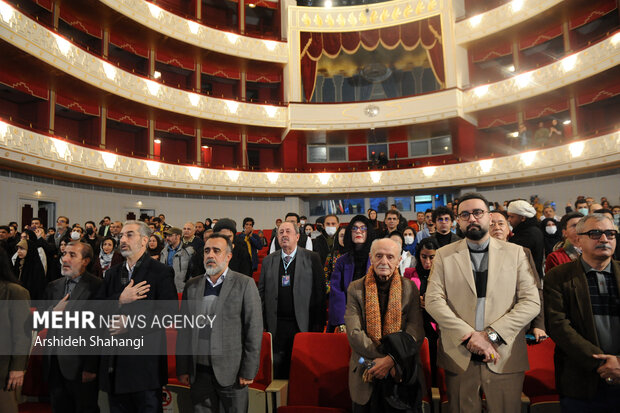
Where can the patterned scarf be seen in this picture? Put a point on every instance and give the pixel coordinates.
(374, 329)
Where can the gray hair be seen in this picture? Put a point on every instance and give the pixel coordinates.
(143, 229)
(598, 217)
(85, 249)
(293, 224)
(373, 246)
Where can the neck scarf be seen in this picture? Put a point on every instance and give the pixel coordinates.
(105, 259)
(374, 328)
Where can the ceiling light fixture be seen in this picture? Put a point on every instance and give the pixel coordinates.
(233, 175)
(475, 21)
(481, 90)
(273, 177)
(193, 27)
(6, 12)
(153, 167)
(155, 10)
(194, 172)
(232, 38)
(429, 171)
(271, 111)
(194, 99)
(109, 159)
(324, 178)
(528, 158)
(232, 106)
(576, 149)
(63, 44)
(486, 165)
(152, 87)
(109, 70)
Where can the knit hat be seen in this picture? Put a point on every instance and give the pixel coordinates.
(521, 207)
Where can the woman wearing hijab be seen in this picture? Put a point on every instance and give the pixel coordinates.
(352, 265)
(337, 251)
(53, 272)
(108, 257)
(31, 236)
(551, 234)
(378, 227)
(14, 313)
(154, 247)
(28, 269)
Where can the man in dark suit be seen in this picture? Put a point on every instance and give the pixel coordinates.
(104, 229)
(582, 312)
(134, 382)
(304, 241)
(292, 291)
(251, 240)
(219, 361)
(72, 378)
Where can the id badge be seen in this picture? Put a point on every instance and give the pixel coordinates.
(286, 281)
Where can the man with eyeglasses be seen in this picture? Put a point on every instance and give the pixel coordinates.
(443, 217)
(482, 341)
(582, 309)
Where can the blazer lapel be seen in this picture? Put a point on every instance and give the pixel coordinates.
(582, 294)
(464, 265)
(300, 264)
(495, 265)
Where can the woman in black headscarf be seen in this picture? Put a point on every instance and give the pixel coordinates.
(28, 269)
(351, 266)
(551, 234)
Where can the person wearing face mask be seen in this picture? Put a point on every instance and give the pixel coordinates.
(308, 229)
(410, 241)
(28, 268)
(551, 235)
(76, 233)
(91, 237)
(406, 259)
(324, 242)
(568, 250)
(616, 212)
(351, 266)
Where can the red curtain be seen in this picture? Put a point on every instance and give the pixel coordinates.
(426, 33)
(181, 61)
(543, 109)
(164, 126)
(269, 4)
(218, 70)
(598, 93)
(38, 89)
(80, 23)
(540, 36)
(593, 12)
(83, 107)
(128, 119)
(132, 46)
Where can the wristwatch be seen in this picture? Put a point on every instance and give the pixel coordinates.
(493, 336)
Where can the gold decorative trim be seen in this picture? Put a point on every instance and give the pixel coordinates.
(500, 18)
(45, 45)
(189, 31)
(21, 146)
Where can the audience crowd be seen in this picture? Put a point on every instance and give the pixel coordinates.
(532, 269)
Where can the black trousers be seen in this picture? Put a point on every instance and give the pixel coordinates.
(283, 347)
(209, 397)
(71, 396)
(145, 401)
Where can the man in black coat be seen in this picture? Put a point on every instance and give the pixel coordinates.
(134, 382)
(526, 232)
(72, 377)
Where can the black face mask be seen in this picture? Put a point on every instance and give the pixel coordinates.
(89, 231)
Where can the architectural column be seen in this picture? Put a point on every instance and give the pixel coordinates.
(55, 14)
(574, 116)
(244, 148)
(566, 37)
(103, 124)
(516, 57)
(198, 10)
(151, 135)
(241, 16)
(151, 62)
(105, 46)
(198, 146)
(198, 77)
(52, 111)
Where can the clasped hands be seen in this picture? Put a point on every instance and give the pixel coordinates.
(383, 366)
(479, 344)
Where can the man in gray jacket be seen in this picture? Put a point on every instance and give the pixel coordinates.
(220, 359)
(177, 256)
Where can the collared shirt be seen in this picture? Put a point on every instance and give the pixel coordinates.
(71, 283)
(219, 280)
(605, 301)
(172, 252)
(292, 255)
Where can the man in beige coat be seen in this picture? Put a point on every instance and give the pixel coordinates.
(482, 294)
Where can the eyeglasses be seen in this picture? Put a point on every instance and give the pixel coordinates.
(359, 229)
(477, 213)
(596, 234)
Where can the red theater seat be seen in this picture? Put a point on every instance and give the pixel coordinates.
(425, 358)
(319, 374)
(539, 383)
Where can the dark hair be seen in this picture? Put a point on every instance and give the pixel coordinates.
(86, 250)
(402, 239)
(503, 213)
(568, 217)
(108, 238)
(155, 220)
(429, 210)
(6, 228)
(90, 222)
(109, 219)
(348, 240)
(603, 211)
(337, 246)
(222, 236)
(307, 224)
(161, 215)
(473, 195)
(392, 212)
(580, 201)
(30, 235)
(6, 274)
(35, 218)
(303, 217)
(292, 214)
(331, 215)
(62, 216)
(225, 223)
(248, 219)
(430, 243)
(411, 228)
(442, 210)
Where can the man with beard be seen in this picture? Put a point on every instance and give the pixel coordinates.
(72, 377)
(482, 342)
(134, 383)
(522, 218)
(219, 361)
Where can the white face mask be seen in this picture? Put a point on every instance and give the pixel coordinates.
(408, 240)
(308, 232)
(331, 231)
(551, 230)
(75, 235)
(302, 222)
(584, 211)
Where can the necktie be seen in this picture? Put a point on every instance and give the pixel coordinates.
(287, 260)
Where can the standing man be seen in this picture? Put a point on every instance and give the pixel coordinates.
(380, 304)
(570, 250)
(62, 230)
(324, 243)
(292, 291)
(304, 240)
(176, 256)
(250, 240)
(134, 383)
(582, 309)
(442, 218)
(482, 342)
(391, 221)
(429, 228)
(72, 378)
(525, 230)
(190, 238)
(91, 237)
(115, 231)
(224, 358)
(104, 229)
